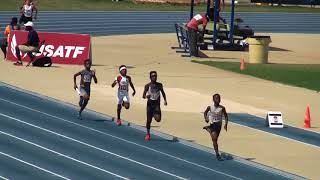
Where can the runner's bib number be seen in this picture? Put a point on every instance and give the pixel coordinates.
(28, 11)
(197, 17)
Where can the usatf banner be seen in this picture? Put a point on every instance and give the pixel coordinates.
(61, 48)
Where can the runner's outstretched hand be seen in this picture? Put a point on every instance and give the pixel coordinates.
(225, 127)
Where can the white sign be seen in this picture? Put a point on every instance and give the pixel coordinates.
(274, 120)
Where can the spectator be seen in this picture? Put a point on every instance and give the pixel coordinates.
(4, 42)
(27, 12)
(30, 46)
(193, 30)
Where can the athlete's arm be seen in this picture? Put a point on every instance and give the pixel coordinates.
(226, 118)
(164, 96)
(114, 82)
(94, 77)
(205, 114)
(132, 86)
(75, 80)
(22, 9)
(144, 96)
(36, 10)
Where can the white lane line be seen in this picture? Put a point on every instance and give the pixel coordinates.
(60, 154)
(290, 139)
(4, 178)
(35, 166)
(124, 140)
(94, 147)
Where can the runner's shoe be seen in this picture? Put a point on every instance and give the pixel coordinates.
(119, 122)
(79, 117)
(218, 157)
(147, 137)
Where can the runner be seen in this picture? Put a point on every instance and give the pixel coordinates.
(4, 42)
(152, 93)
(123, 80)
(27, 12)
(213, 115)
(85, 85)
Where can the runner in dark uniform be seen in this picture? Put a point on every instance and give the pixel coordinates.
(152, 93)
(85, 84)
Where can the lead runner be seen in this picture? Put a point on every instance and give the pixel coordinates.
(152, 93)
(213, 115)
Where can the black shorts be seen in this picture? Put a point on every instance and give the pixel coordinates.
(87, 89)
(4, 42)
(216, 127)
(24, 19)
(153, 109)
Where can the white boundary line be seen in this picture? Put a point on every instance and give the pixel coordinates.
(182, 141)
(290, 139)
(37, 167)
(60, 154)
(4, 178)
(86, 144)
(115, 137)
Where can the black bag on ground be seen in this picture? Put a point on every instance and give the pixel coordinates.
(42, 62)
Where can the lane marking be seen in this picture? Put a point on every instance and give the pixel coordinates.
(4, 178)
(91, 146)
(35, 166)
(60, 154)
(124, 140)
(290, 139)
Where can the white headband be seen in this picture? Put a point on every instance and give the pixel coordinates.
(122, 68)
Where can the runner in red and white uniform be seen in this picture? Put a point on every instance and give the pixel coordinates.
(123, 91)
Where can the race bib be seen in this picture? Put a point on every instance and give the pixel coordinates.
(123, 88)
(197, 17)
(28, 11)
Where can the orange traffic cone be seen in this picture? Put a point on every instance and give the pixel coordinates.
(242, 64)
(307, 119)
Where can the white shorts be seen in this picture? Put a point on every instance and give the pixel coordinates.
(123, 97)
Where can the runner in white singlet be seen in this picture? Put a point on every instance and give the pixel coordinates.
(213, 115)
(27, 12)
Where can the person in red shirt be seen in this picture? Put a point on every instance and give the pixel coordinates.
(192, 25)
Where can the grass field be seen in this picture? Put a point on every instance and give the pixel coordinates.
(306, 76)
(128, 5)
